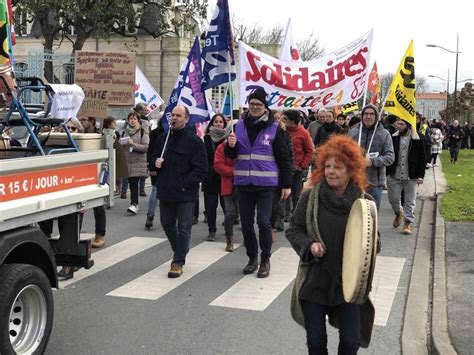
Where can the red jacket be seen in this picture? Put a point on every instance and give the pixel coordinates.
(225, 168)
(303, 148)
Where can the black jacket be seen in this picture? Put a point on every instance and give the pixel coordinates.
(184, 166)
(325, 131)
(281, 151)
(416, 157)
(212, 181)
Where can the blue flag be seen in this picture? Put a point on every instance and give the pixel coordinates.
(218, 51)
(187, 91)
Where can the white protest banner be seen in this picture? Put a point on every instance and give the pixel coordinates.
(144, 92)
(67, 100)
(335, 79)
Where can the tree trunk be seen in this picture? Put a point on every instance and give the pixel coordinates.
(81, 38)
(48, 65)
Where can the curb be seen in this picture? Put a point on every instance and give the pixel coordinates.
(440, 339)
(416, 320)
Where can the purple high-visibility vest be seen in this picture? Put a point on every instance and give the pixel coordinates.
(255, 164)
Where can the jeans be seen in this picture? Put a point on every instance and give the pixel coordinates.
(394, 189)
(278, 212)
(177, 219)
(376, 193)
(296, 187)
(434, 156)
(454, 152)
(315, 323)
(211, 201)
(99, 219)
(262, 200)
(142, 184)
(152, 201)
(230, 203)
(133, 182)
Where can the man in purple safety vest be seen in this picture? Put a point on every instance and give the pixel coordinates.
(262, 161)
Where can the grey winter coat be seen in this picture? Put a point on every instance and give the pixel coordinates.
(381, 151)
(136, 155)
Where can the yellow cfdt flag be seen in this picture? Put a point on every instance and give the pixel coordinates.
(401, 101)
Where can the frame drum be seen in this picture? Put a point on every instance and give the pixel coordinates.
(360, 251)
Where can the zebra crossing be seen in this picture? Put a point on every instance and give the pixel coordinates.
(249, 293)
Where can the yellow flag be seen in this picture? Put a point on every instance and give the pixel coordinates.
(401, 101)
(347, 108)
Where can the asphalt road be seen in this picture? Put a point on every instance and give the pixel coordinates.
(182, 321)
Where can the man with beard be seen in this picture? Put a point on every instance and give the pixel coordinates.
(405, 174)
(377, 143)
(178, 174)
(262, 157)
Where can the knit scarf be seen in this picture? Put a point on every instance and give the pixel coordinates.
(338, 204)
(218, 134)
(132, 130)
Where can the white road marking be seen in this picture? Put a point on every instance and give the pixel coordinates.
(256, 294)
(114, 254)
(155, 284)
(384, 286)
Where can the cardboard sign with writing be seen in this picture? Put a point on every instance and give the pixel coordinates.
(95, 103)
(110, 72)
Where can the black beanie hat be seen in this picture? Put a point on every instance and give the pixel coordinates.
(259, 95)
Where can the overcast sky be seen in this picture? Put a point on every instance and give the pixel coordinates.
(395, 23)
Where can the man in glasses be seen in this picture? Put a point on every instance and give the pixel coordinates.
(378, 146)
(262, 160)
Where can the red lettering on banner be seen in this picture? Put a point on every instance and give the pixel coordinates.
(285, 79)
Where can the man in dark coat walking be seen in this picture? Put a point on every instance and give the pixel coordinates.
(178, 173)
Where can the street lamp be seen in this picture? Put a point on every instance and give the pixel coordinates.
(447, 92)
(456, 69)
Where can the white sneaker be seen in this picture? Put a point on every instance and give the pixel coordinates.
(133, 209)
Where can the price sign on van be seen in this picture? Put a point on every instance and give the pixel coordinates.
(13, 187)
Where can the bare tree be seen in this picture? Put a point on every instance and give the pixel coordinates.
(308, 48)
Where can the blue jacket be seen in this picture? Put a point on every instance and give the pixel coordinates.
(184, 166)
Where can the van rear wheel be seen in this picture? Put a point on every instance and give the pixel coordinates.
(26, 309)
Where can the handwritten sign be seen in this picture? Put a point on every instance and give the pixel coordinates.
(18, 186)
(95, 103)
(110, 72)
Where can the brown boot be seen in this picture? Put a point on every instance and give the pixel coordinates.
(264, 269)
(398, 219)
(98, 241)
(406, 228)
(251, 267)
(230, 244)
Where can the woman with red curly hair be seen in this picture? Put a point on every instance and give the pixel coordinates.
(316, 232)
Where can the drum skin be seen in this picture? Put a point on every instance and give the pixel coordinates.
(360, 244)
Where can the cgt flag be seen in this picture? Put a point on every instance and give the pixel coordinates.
(218, 51)
(187, 90)
(145, 92)
(374, 84)
(289, 51)
(401, 100)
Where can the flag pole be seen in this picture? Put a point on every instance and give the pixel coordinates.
(230, 96)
